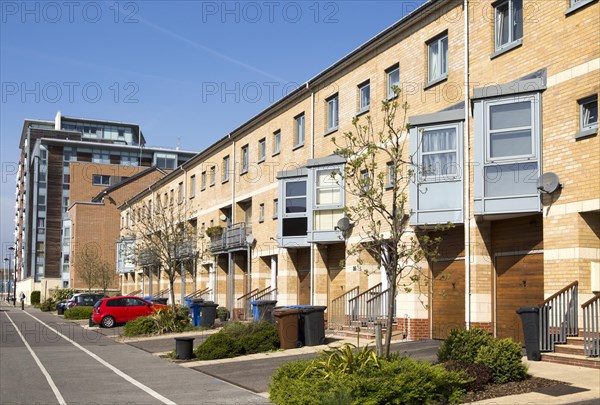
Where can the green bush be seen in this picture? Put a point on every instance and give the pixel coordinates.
(218, 346)
(169, 320)
(35, 297)
(503, 358)
(396, 381)
(79, 312)
(61, 294)
(260, 337)
(463, 345)
(48, 305)
(144, 325)
(479, 374)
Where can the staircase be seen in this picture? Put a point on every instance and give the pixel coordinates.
(572, 353)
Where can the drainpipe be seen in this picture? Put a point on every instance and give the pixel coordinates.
(230, 264)
(312, 156)
(184, 195)
(467, 168)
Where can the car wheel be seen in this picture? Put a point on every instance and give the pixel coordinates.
(107, 322)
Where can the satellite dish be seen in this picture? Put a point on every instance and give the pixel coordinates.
(343, 224)
(250, 240)
(548, 183)
(223, 217)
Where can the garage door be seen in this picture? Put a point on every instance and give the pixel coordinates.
(519, 282)
(447, 298)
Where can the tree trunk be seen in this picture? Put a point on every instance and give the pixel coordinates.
(390, 319)
(172, 290)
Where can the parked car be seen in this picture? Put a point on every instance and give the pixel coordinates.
(110, 311)
(83, 299)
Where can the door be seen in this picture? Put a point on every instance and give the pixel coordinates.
(303, 269)
(519, 283)
(447, 298)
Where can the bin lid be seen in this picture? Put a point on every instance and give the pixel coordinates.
(195, 300)
(207, 304)
(185, 338)
(525, 310)
(263, 302)
(286, 311)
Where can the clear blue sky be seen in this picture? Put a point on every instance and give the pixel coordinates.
(188, 72)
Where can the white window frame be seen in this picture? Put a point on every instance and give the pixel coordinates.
(443, 73)
(437, 177)
(583, 107)
(535, 136)
(203, 181)
(511, 24)
(285, 198)
(226, 162)
(276, 142)
(335, 185)
(102, 178)
(245, 157)
(262, 150)
(299, 130)
(333, 111)
(361, 88)
(391, 174)
(275, 208)
(389, 81)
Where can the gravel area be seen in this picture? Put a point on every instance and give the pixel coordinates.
(511, 388)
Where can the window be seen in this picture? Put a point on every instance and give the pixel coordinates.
(364, 96)
(299, 130)
(364, 180)
(261, 213)
(180, 192)
(332, 113)
(225, 174)
(328, 190)
(100, 180)
(213, 175)
(588, 113)
(439, 153)
(203, 181)
(275, 208)
(262, 150)
(193, 186)
(437, 59)
(172, 196)
(294, 222)
(508, 22)
(393, 80)
(391, 174)
(276, 142)
(165, 200)
(100, 157)
(166, 160)
(244, 159)
(66, 178)
(509, 128)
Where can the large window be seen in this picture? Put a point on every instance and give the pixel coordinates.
(392, 80)
(245, 162)
(509, 128)
(328, 204)
(166, 160)
(508, 22)
(299, 130)
(588, 113)
(294, 222)
(332, 113)
(437, 58)
(193, 186)
(439, 153)
(364, 96)
(100, 180)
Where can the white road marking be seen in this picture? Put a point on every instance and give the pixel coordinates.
(118, 372)
(57, 393)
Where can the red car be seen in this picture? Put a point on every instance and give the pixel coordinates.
(110, 311)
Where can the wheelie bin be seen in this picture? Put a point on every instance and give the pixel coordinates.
(313, 324)
(530, 319)
(287, 321)
(208, 313)
(262, 310)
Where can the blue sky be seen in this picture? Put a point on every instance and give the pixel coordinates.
(188, 72)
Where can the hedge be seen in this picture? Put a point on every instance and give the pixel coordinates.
(79, 312)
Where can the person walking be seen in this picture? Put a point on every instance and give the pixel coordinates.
(22, 296)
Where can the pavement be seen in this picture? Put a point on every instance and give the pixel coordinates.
(251, 374)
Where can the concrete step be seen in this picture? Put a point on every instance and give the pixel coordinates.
(569, 349)
(572, 360)
(575, 340)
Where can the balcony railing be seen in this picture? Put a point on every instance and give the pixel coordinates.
(186, 250)
(358, 306)
(233, 237)
(558, 317)
(591, 327)
(378, 309)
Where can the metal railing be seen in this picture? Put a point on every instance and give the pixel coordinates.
(187, 249)
(244, 302)
(591, 327)
(199, 293)
(558, 317)
(358, 306)
(378, 309)
(161, 293)
(338, 315)
(135, 292)
(267, 294)
(233, 236)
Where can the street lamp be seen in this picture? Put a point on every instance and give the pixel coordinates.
(12, 249)
(4, 283)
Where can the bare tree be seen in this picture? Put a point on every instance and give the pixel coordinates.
(378, 173)
(105, 275)
(163, 234)
(92, 269)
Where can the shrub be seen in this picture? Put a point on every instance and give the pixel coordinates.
(223, 313)
(144, 325)
(479, 374)
(48, 305)
(346, 359)
(35, 297)
(260, 337)
(290, 386)
(170, 320)
(218, 346)
(503, 357)
(463, 345)
(61, 294)
(78, 312)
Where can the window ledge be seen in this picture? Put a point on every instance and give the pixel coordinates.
(212, 185)
(275, 217)
(507, 48)
(577, 6)
(435, 81)
(275, 153)
(330, 131)
(261, 161)
(390, 98)
(260, 221)
(584, 133)
(363, 111)
(388, 187)
(301, 145)
(244, 172)
(202, 189)
(224, 181)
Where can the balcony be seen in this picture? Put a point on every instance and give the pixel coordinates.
(232, 238)
(186, 250)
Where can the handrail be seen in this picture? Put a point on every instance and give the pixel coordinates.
(358, 305)
(378, 295)
(369, 291)
(271, 292)
(559, 292)
(160, 293)
(339, 308)
(198, 292)
(259, 292)
(590, 301)
(134, 292)
(377, 308)
(247, 294)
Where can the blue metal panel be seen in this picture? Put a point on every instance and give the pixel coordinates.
(325, 236)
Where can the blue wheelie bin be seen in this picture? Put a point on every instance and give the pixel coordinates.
(195, 311)
(262, 310)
